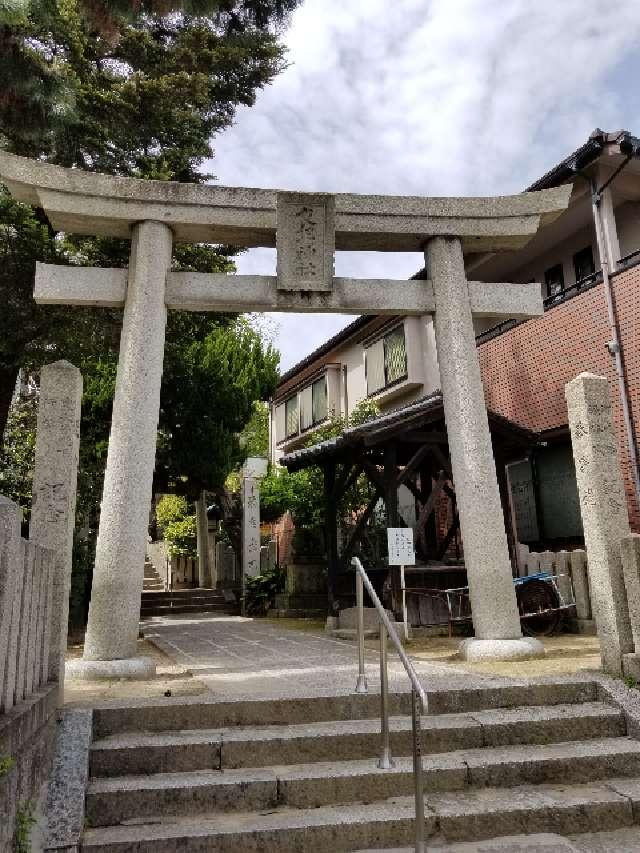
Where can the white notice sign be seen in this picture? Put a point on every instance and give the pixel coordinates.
(400, 543)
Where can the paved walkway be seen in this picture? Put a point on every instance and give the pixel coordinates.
(244, 658)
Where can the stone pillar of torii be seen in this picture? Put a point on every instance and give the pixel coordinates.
(306, 229)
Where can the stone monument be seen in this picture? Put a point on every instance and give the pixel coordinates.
(54, 495)
(630, 553)
(306, 228)
(604, 512)
(253, 471)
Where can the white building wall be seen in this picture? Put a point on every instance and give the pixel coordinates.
(628, 224)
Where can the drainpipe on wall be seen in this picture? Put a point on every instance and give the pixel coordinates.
(346, 393)
(613, 345)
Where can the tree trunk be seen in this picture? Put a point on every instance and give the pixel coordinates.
(8, 378)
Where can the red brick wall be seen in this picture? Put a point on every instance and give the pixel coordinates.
(525, 369)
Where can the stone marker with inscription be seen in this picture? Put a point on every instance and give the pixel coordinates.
(604, 512)
(305, 241)
(253, 471)
(54, 493)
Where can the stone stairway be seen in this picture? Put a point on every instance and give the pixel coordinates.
(163, 602)
(300, 774)
(152, 580)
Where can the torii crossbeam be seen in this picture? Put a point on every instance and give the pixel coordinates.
(307, 229)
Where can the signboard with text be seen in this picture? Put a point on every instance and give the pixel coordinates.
(400, 544)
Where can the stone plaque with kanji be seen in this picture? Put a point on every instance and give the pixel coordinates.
(305, 240)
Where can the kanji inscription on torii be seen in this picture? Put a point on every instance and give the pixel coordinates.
(305, 240)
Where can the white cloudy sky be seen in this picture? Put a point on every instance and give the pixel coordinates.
(429, 97)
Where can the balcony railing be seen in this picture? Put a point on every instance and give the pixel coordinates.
(562, 296)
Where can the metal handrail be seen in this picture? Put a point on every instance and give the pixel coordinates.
(418, 695)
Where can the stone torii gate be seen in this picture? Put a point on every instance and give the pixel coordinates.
(306, 229)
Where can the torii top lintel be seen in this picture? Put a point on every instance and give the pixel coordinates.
(90, 203)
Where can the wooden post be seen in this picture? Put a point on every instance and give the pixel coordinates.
(331, 534)
(393, 519)
(427, 534)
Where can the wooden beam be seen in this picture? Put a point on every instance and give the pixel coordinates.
(442, 550)
(338, 489)
(427, 539)
(415, 491)
(390, 478)
(357, 530)
(413, 464)
(373, 474)
(331, 533)
(424, 437)
(445, 464)
(429, 506)
(349, 481)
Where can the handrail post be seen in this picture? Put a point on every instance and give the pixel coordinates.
(385, 762)
(417, 769)
(361, 683)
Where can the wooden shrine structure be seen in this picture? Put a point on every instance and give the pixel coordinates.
(408, 446)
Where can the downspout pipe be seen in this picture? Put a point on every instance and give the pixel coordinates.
(614, 345)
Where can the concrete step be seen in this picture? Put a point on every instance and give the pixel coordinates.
(454, 816)
(547, 842)
(281, 830)
(164, 609)
(155, 598)
(261, 746)
(309, 786)
(164, 715)
(194, 590)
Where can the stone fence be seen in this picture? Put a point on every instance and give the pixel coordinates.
(26, 600)
(184, 572)
(28, 699)
(573, 582)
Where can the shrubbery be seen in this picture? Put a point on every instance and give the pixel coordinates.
(171, 508)
(260, 591)
(178, 526)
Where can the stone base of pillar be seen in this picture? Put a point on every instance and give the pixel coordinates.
(631, 665)
(587, 627)
(522, 648)
(140, 668)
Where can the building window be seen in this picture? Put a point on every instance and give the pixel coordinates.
(319, 400)
(395, 356)
(386, 361)
(291, 416)
(313, 404)
(583, 264)
(554, 280)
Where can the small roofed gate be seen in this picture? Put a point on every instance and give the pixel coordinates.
(407, 447)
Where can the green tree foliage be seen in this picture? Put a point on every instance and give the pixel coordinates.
(177, 525)
(135, 89)
(208, 393)
(302, 493)
(171, 508)
(181, 537)
(17, 455)
(254, 438)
